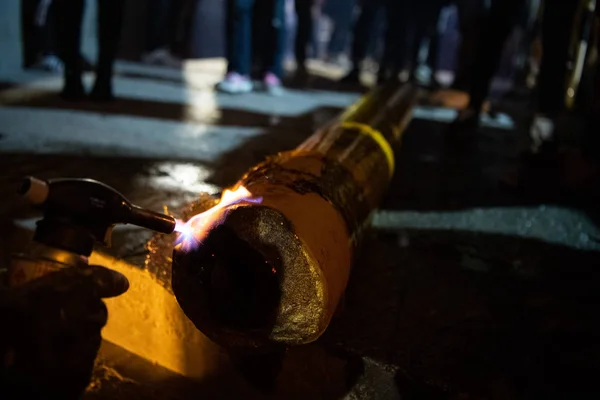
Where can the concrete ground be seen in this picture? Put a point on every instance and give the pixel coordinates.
(463, 288)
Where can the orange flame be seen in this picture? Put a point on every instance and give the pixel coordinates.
(194, 231)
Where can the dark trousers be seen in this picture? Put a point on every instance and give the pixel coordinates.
(269, 30)
(556, 31)
(365, 28)
(495, 29)
(69, 18)
(408, 24)
(431, 33)
(556, 36)
(340, 12)
(397, 25)
(36, 40)
(471, 16)
(164, 23)
(304, 29)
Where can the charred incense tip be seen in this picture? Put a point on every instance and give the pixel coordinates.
(242, 291)
(232, 285)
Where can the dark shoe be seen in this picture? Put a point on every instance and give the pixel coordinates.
(388, 78)
(85, 64)
(302, 76)
(73, 90)
(102, 92)
(465, 124)
(353, 77)
(435, 84)
(302, 71)
(385, 75)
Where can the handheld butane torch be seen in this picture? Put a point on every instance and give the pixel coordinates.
(76, 214)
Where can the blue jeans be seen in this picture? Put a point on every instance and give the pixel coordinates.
(341, 12)
(271, 31)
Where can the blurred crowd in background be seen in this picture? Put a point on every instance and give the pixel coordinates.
(417, 38)
(435, 43)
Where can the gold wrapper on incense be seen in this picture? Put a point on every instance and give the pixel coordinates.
(271, 265)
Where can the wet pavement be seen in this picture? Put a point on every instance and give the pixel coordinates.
(464, 288)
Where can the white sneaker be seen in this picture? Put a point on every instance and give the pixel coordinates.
(235, 83)
(542, 130)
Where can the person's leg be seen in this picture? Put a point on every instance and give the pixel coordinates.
(316, 46)
(177, 25)
(375, 47)
(69, 18)
(29, 36)
(471, 16)
(230, 53)
(431, 32)
(167, 31)
(427, 22)
(156, 24)
(337, 41)
(363, 31)
(523, 49)
(110, 16)
(240, 51)
(50, 40)
(489, 51)
(556, 36)
(398, 24)
(342, 20)
(46, 30)
(277, 34)
(417, 36)
(239, 47)
(495, 29)
(304, 30)
(575, 169)
(275, 48)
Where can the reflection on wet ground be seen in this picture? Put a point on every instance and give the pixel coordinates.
(464, 288)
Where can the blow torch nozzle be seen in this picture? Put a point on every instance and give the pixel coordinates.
(152, 220)
(78, 212)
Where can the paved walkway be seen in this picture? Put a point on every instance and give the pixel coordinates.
(462, 289)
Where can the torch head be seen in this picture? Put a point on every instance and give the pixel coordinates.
(79, 212)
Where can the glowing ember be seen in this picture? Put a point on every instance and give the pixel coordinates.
(194, 231)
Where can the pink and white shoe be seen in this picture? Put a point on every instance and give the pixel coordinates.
(235, 83)
(273, 84)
